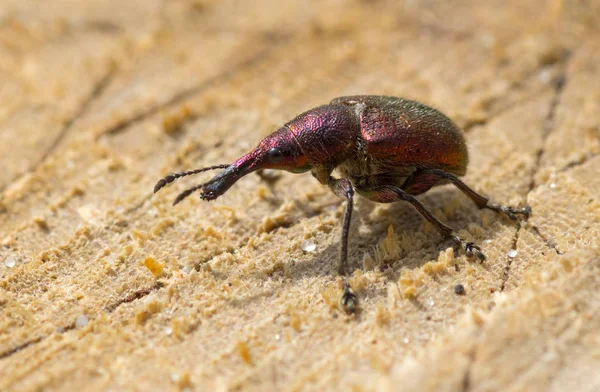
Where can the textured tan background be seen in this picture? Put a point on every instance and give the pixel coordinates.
(99, 99)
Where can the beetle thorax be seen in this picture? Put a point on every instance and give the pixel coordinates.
(327, 134)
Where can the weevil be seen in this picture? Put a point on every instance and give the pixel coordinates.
(386, 149)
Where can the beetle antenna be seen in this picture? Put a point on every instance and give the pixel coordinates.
(172, 177)
(186, 193)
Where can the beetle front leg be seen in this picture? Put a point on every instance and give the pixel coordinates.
(390, 194)
(343, 188)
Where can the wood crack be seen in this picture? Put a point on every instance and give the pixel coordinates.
(139, 294)
(509, 261)
(98, 89)
(573, 164)
(549, 123)
(185, 94)
(504, 107)
(110, 309)
(34, 341)
(550, 244)
(21, 347)
(549, 126)
(474, 123)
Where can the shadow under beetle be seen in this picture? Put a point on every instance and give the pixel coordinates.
(386, 149)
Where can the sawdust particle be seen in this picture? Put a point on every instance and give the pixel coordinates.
(330, 296)
(139, 236)
(295, 322)
(409, 292)
(150, 307)
(182, 381)
(368, 262)
(88, 212)
(389, 248)
(172, 123)
(382, 315)
(154, 266)
(41, 222)
(244, 353)
(161, 226)
(358, 281)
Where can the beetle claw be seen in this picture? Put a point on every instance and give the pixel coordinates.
(511, 212)
(525, 211)
(348, 301)
(471, 249)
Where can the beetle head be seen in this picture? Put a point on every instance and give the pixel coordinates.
(279, 151)
(319, 139)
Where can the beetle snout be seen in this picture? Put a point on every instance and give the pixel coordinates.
(220, 183)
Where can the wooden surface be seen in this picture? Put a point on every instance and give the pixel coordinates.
(104, 286)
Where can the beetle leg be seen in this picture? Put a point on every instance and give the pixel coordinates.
(480, 201)
(270, 177)
(348, 301)
(342, 187)
(323, 175)
(390, 194)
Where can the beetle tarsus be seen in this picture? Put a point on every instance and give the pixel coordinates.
(481, 201)
(349, 301)
(511, 212)
(470, 248)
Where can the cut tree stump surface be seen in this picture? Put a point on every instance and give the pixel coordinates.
(105, 286)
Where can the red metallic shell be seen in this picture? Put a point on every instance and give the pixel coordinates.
(326, 134)
(403, 133)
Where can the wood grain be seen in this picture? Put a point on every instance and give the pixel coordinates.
(100, 99)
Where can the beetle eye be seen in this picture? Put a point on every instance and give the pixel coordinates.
(275, 155)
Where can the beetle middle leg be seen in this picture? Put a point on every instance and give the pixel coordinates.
(270, 177)
(390, 194)
(480, 201)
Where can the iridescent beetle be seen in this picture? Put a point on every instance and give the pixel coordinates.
(387, 149)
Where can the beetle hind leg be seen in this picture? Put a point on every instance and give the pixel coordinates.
(390, 194)
(511, 212)
(481, 201)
